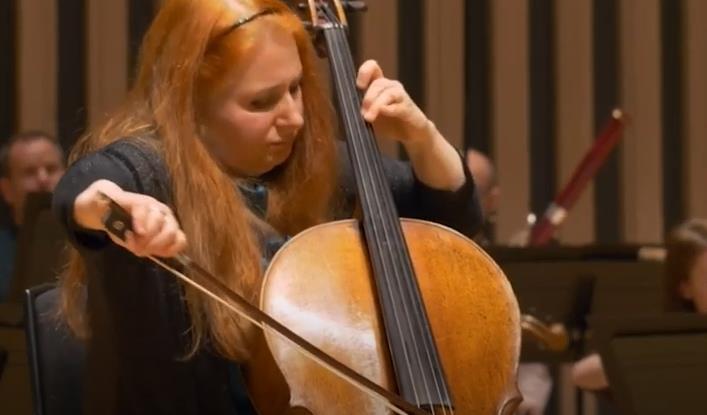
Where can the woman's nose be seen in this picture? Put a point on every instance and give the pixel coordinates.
(291, 115)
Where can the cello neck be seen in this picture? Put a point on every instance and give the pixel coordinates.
(372, 187)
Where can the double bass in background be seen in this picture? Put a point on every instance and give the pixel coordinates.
(381, 315)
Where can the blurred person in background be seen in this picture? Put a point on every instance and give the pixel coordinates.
(484, 173)
(685, 288)
(30, 161)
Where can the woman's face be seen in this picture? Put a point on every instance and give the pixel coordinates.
(695, 287)
(253, 121)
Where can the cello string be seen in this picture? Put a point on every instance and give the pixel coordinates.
(346, 111)
(383, 202)
(397, 250)
(373, 202)
(348, 103)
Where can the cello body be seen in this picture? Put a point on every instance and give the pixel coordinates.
(320, 285)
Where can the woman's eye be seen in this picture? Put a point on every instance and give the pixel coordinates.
(261, 104)
(294, 89)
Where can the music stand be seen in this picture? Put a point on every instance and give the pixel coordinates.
(605, 252)
(655, 364)
(628, 288)
(564, 284)
(40, 246)
(554, 292)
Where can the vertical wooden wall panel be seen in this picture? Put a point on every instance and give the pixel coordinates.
(672, 112)
(477, 53)
(140, 14)
(695, 12)
(509, 58)
(378, 39)
(641, 77)
(72, 70)
(108, 57)
(444, 64)
(542, 104)
(8, 69)
(606, 91)
(37, 69)
(574, 108)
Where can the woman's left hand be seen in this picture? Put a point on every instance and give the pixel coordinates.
(389, 108)
(394, 115)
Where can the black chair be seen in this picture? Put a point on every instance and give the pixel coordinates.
(10, 320)
(56, 358)
(40, 247)
(3, 360)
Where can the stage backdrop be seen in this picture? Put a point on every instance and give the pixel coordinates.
(529, 82)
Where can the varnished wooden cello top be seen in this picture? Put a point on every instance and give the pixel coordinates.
(472, 312)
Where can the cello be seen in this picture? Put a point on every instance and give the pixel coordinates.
(378, 315)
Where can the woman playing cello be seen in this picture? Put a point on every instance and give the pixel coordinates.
(226, 132)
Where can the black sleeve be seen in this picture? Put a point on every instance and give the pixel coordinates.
(130, 165)
(458, 209)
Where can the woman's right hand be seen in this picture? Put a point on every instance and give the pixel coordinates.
(156, 231)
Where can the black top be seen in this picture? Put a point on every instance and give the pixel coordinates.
(8, 244)
(138, 321)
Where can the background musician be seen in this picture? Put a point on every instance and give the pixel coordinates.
(686, 290)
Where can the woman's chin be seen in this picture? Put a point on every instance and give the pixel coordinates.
(279, 155)
(274, 160)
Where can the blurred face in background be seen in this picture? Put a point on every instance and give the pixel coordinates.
(484, 174)
(33, 165)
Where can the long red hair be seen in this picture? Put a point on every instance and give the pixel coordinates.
(183, 56)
